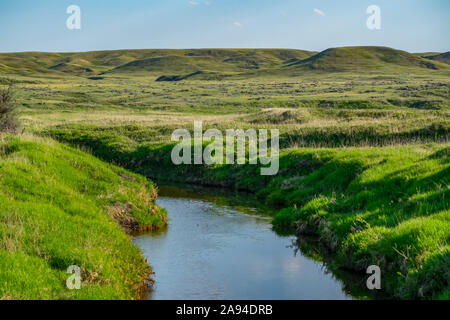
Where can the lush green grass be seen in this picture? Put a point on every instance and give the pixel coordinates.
(385, 206)
(376, 195)
(60, 207)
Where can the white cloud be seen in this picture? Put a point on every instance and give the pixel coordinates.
(319, 12)
(198, 3)
(237, 24)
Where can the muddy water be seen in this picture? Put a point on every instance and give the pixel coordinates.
(220, 247)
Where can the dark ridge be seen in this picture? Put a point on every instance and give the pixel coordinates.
(443, 57)
(178, 77)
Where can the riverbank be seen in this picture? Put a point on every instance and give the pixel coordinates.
(61, 207)
(385, 206)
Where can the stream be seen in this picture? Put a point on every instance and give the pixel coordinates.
(223, 247)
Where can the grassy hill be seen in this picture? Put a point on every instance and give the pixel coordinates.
(356, 59)
(443, 57)
(216, 63)
(61, 207)
(71, 68)
(149, 61)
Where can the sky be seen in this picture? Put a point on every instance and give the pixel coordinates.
(411, 25)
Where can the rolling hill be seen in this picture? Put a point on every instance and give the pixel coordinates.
(442, 57)
(148, 61)
(361, 59)
(216, 63)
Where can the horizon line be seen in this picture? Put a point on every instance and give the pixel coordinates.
(218, 48)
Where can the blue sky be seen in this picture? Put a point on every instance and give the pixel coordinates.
(412, 25)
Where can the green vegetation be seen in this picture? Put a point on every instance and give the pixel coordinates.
(220, 62)
(384, 206)
(442, 57)
(209, 64)
(358, 58)
(60, 207)
(364, 133)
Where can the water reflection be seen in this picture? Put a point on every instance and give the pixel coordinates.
(221, 248)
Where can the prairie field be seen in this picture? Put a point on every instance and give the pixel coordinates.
(364, 155)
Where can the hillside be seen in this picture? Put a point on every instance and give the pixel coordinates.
(443, 57)
(149, 61)
(61, 207)
(216, 63)
(352, 59)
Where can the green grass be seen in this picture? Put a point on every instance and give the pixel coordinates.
(166, 62)
(61, 207)
(358, 58)
(385, 206)
(219, 63)
(364, 139)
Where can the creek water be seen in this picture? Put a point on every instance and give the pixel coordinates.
(222, 247)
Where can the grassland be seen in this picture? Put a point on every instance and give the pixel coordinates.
(364, 137)
(385, 206)
(60, 207)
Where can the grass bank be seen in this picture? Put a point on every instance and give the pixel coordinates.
(385, 206)
(61, 207)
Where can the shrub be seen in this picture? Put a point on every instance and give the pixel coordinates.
(8, 118)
